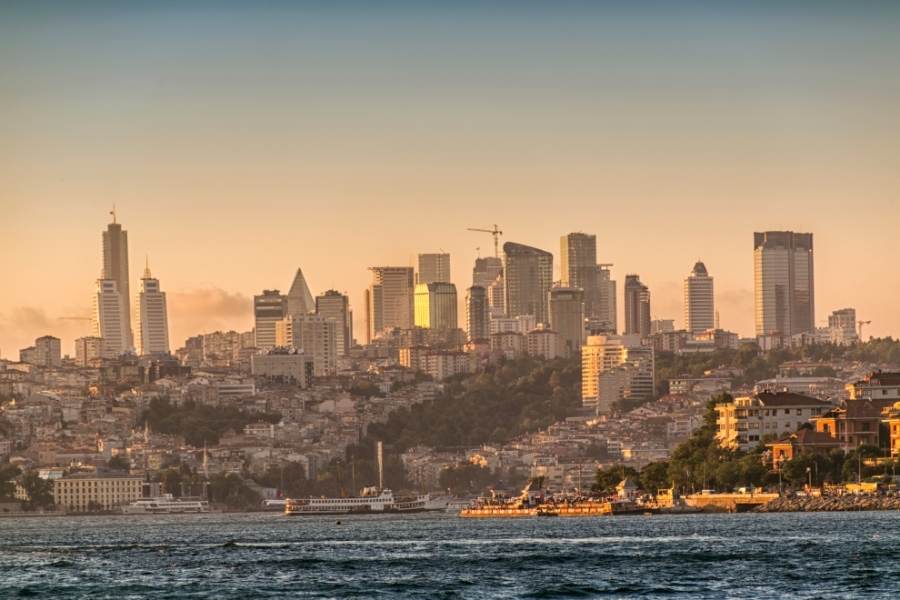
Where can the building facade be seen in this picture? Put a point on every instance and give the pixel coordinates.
(637, 307)
(91, 491)
(299, 300)
(477, 313)
(528, 275)
(152, 324)
(389, 300)
(335, 305)
(567, 310)
(784, 289)
(434, 268)
(268, 308)
(699, 300)
(115, 268)
(745, 421)
(109, 319)
(436, 305)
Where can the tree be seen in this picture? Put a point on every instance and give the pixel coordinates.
(8, 473)
(39, 491)
(655, 476)
(119, 463)
(466, 478)
(607, 479)
(232, 491)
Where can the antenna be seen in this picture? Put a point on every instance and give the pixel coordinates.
(113, 213)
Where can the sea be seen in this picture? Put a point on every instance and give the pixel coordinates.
(433, 556)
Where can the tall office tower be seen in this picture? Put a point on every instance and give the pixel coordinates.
(528, 275)
(299, 300)
(389, 300)
(567, 317)
(783, 282)
(152, 323)
(48, 351)
(578, 267)
(315, 335)
(88, 350)
(434, 268)
(477, 313)
(637, 306)
(268, 308)
(109, 319)
(486, 271)
(435, 306)
(699, 302)
(335, 305)
(115, 267)
(606, 307)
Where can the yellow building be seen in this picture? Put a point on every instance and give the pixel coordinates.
(80, 492)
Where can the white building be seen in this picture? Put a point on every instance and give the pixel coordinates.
(603, 353)
(110, 319)
(152, 324)
(543, 342)
(315, 336)
(268, 308)
(699, 300)
(744, 422)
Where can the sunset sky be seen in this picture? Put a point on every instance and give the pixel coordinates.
(240, 141)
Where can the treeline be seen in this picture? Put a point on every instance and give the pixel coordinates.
(199, 424)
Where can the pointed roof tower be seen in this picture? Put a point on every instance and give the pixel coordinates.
(299, 299)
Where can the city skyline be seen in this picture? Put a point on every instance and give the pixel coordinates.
(671, 137)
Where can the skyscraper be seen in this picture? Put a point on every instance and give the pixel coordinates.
(567, 317)
(784, 290)
(699, 301)
(486, 271)
(299, 299)
(434, 268)
(109, 319)
(335, 305)
(389, 300)
(578, 267)
(528, 275)
(315, 335)
(605, 310)
(637, 306)
(435, 306)
(268, 308)
(477, 313)
(152, 323)
(115, 268)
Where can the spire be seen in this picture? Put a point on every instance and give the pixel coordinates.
(147, 266)
(299, 299)
(113, 213)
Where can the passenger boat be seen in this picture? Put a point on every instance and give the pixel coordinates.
(166, 505)
(370, 500)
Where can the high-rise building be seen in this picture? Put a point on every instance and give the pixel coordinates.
(637, 306)
(315, 335)
(605, 310)
(699, 302)
(115, 268)
(88, 350)
(152, 323)
(299, 299)
(389, 300)
(528, 275)
(578, 267)
(477, 313)
(784, 288)
(268, 308)
(335, 305)
(616, 367)
(48, 351)
(486, 271)
(109, 319)
(434, 268)
(842, 326)
(436, 305)
(567, 317)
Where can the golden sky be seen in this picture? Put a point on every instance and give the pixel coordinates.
(241, 144)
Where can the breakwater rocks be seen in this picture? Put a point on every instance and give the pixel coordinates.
(830, 504)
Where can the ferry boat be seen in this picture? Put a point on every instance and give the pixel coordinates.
(166, 505)
(525, 504)
(370, 500)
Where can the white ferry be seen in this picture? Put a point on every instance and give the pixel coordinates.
(166, 505)
(369, 501)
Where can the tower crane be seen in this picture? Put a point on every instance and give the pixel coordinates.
(494, 232)
(861, 323)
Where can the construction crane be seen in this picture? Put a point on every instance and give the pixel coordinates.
(494, 232)
(861, 323)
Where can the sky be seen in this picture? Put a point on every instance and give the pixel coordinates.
(239, 141)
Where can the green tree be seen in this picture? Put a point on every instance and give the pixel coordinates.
(119, 463)
(607, 479)
(655, 476)
(8, 473)
(466, 478)
(40, 491)
(232, 491)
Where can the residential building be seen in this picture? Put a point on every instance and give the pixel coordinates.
(528, 274)
(854, 423)
(436, 305)
(477, 313)
(110, 319)
(605, 352)
(83, 492)
(46, 352)
(283, 365)
(315, 336)
(509, 344)
(268, 308)
(433, 268)
(567, 310)
(605, 314)
(389, 301)
(842, 327)
(662, 326)
(115, 268)
(784, 289)
(88, 350)
(746, 421)
(699, 300)
(152, 323)
(891, 418)
(578, 268)
(299, 300)
(637, 307)
(543, 342)
(883, 386)
(335, 305)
